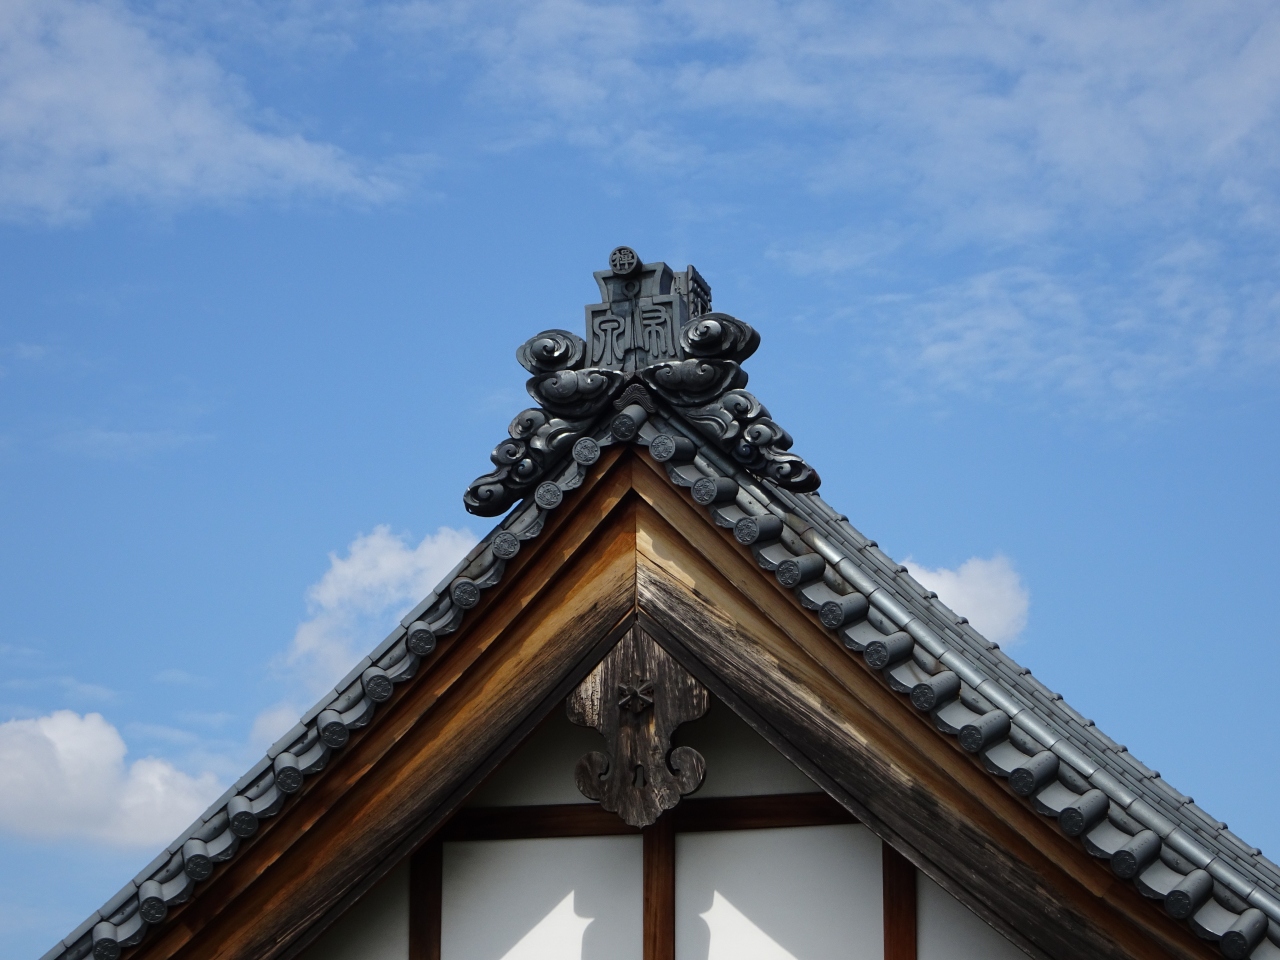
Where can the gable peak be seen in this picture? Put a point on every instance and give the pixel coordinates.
(651, 340)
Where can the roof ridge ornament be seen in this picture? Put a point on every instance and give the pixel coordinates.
(654, 329)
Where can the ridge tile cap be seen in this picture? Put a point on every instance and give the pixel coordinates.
(81, 930)
(255, 771)
(118, 899)
(214, 808)
(1186, 844)
(319, 707)
(353, 676)
(423, 606)
(391, 640)
(188, 833)
(291, 736)
(145, 873)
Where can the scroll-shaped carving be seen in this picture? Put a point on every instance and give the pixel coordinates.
(741, 425)
(551, 350)
(537, 442)
(575, 393)
(691, 382)
(719, 335)
(636, 698)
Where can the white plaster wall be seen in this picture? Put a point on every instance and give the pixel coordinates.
(541, 769)
(948, 930)
(376, 927)
(572, 898)
(801, 893)
(739, 762)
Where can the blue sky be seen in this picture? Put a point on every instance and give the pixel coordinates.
(264, 268)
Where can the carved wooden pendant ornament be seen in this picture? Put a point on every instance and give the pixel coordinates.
(636, 698)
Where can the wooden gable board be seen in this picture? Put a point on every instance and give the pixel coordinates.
(628, 546)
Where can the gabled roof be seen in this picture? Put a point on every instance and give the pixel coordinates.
(660, 378)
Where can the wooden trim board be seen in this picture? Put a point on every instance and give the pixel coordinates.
(693, 815)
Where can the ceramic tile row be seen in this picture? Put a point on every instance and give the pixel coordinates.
(1116, 806)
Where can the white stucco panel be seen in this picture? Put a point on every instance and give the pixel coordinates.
(948, 930)
(375, 928)
(801, 893)
(573, 898)
(739, 762)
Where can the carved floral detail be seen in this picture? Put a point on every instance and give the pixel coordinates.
(636, 698)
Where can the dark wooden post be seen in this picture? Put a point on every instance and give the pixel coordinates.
(899, 887)
(425, 889)
(660, 889)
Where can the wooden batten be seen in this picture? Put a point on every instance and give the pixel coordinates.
(630, 547)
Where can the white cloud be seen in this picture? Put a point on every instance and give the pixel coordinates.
(71, 689)
(1110, 344)
(65, 777)
(381, 577)
(1002, 110)
(176, 676)
(94, 107)
(126, 444)
(356, 602)
(1088, 190)
(989, 592)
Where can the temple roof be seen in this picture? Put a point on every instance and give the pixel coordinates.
(659, 370)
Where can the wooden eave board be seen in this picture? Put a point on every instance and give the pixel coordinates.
(628, 544)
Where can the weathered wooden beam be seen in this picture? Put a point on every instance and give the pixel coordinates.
(426, 889)
(693, 815)
(707, 814)
(898, 891)
(660, 890)
(535, 822)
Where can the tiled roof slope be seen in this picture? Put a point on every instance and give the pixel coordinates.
(1119, 809)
